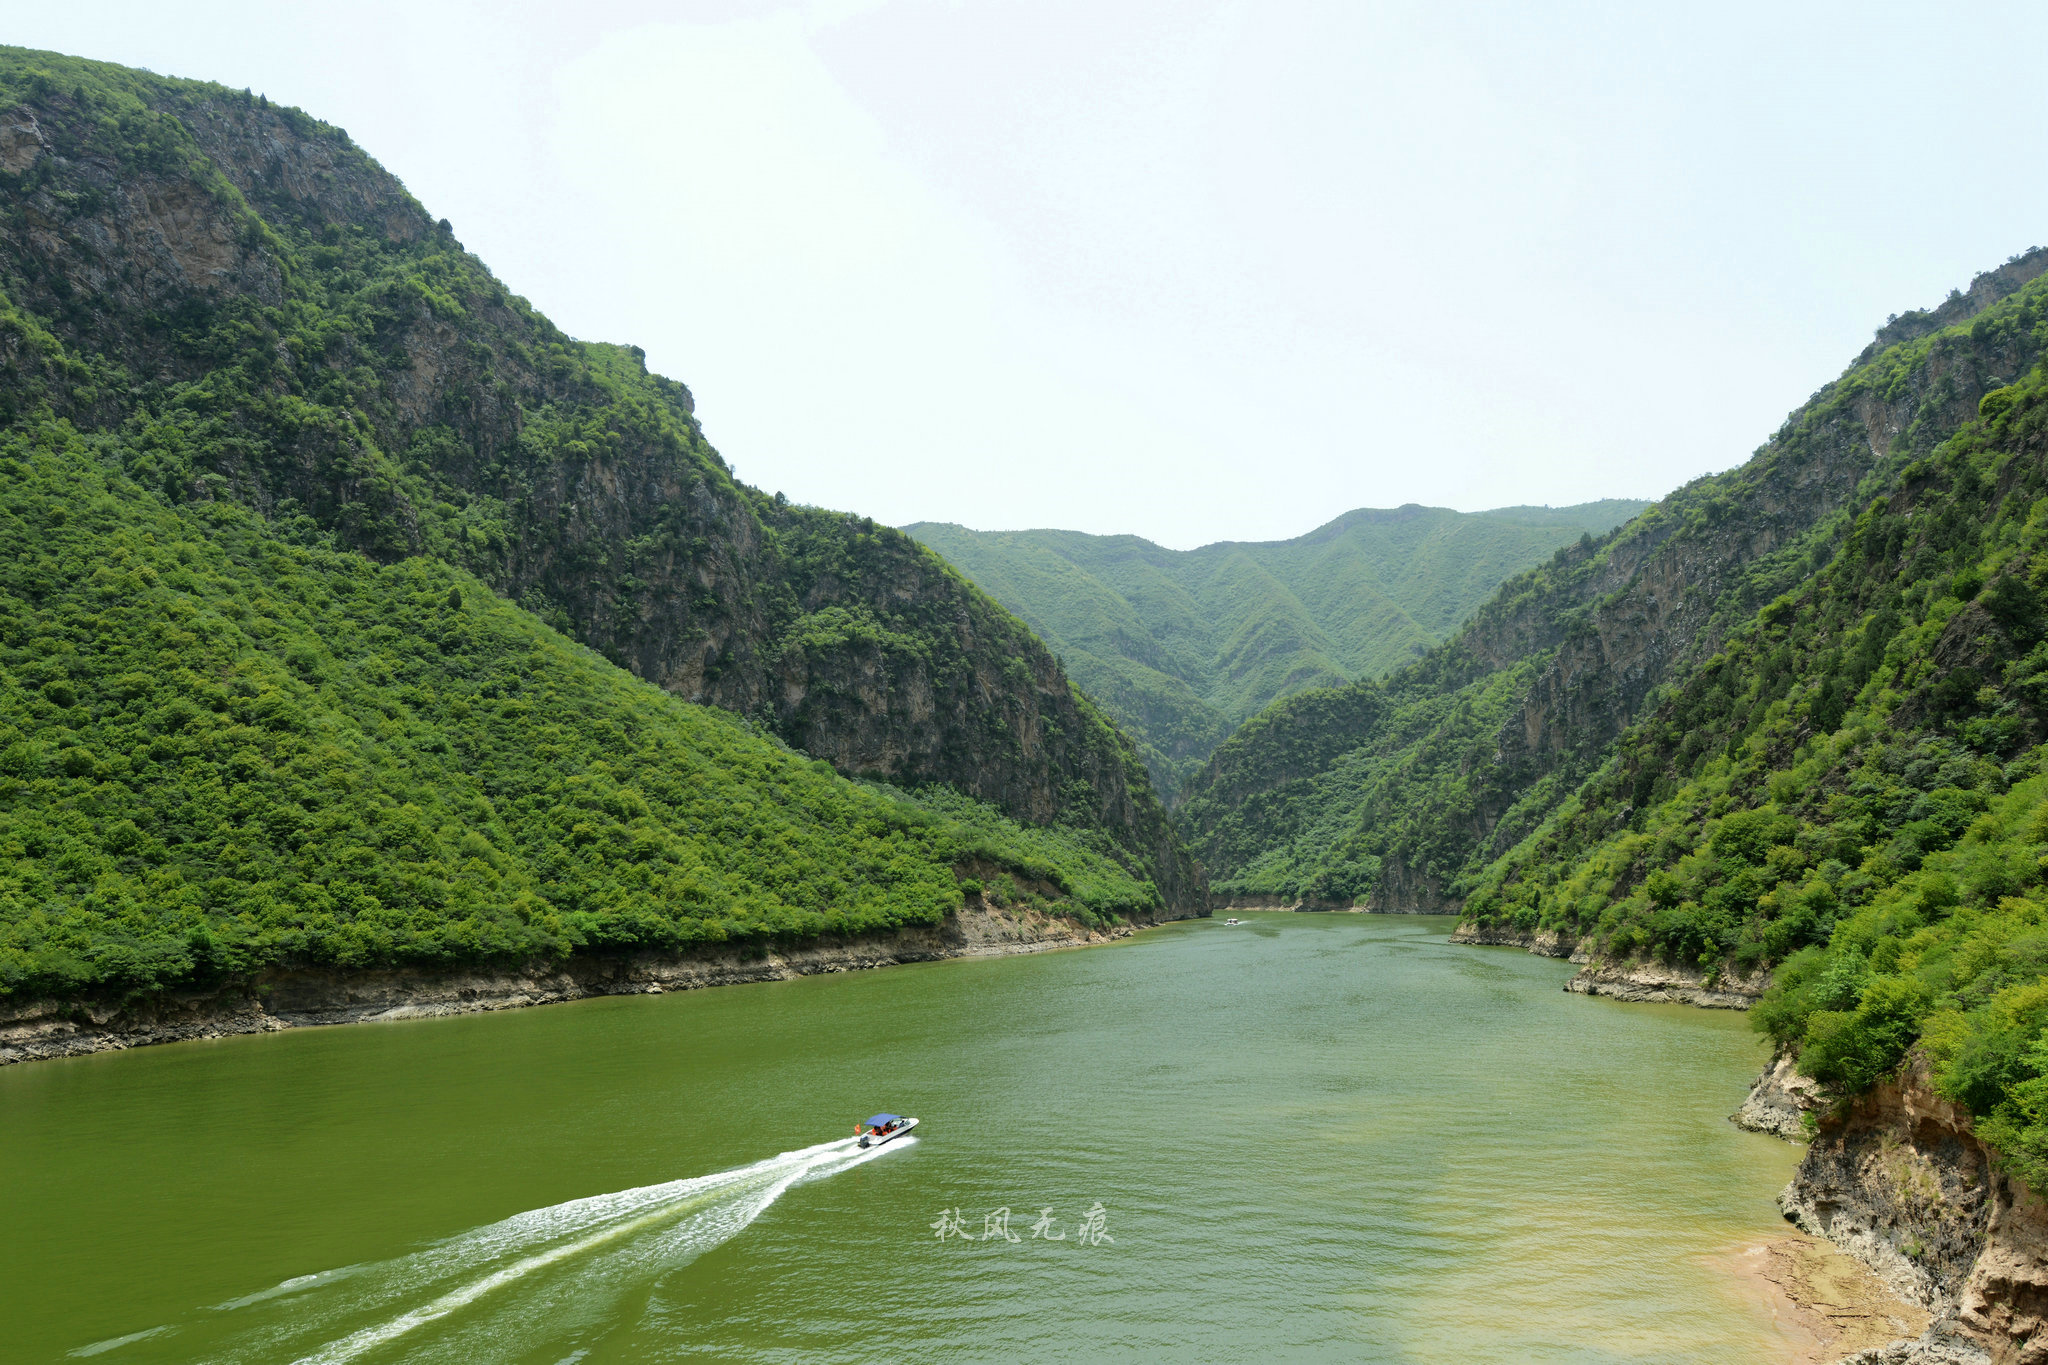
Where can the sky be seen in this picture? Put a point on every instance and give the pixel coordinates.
(1197, 271)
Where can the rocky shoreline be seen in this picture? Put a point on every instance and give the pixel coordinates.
(1898, 1178)
(277, 1000)
(1895, 1178)
(1824, 1302)
(1634, 979)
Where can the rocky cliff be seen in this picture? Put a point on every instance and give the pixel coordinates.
(1898, 1177)
(275, 321)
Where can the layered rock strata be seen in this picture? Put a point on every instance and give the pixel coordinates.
(1650, 982)
(1898, 1178)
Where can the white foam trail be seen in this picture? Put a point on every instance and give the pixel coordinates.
(704, 1221)
(297, 1284)
(112, 1342)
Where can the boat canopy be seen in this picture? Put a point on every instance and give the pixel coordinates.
(878, 1120)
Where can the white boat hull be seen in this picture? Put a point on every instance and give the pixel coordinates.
(871, 1140)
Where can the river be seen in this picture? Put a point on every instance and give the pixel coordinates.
(1312, 1137)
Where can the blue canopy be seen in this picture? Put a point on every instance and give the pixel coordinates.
(880, 1119)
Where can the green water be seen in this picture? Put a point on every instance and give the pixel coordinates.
(1313, 1138)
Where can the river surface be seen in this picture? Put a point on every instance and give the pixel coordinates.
(1314, 1137)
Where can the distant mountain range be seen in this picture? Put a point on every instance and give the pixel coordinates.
(1182, 646)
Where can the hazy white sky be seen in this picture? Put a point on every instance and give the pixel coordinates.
(1196, 270)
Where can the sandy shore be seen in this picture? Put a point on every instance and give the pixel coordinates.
(1824, 1304)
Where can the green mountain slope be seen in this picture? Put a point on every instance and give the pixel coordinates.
(1183, 646)
(1853, 790)
(1401, 793)
(221, 752)
(238, 306)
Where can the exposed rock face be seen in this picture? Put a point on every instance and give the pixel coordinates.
(1401, 890)
(2006, 1299)
(1644, 982)
(1656, 983)
(1283, 903)
(36, 1030)
(1826, 1301)
(1780, 1102)
(1900, 1180)
(1921, 1352)
(1542, 942)
(348, 362)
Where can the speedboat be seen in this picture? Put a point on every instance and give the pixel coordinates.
(885, 1128)
(1233, 921)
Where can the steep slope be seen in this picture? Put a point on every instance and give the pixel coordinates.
(1853, 788)
(222, 753)
(1849, 801)
(1400, 793)
(1182, 646)
(264, 316)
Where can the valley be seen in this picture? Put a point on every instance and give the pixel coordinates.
(374, 651)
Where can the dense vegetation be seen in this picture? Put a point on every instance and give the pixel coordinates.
(323, 559)
(1183, 646)
(220, 752)
(251, 310)
(1853, 791)
(1404, 793)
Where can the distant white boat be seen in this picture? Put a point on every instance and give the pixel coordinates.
(1233, 920)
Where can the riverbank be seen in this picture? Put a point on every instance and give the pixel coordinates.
(148, 1187)
(310, 997)
(1898, 1178)
(1954, 1255)
(1826, 1304)
(1641, 980)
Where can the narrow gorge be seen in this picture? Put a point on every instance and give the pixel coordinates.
(1674, 986)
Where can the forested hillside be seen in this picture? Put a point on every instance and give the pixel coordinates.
(1183, 646)
(268, 317)
(300, 496)
(1402, 793)
(1853, 791)
(221, 752)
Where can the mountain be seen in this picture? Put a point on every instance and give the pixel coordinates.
(1183, 646)
(1782, 739)
(1851, 790)
(222, 752)
(1845, 804)
(314, 521)
(1401, 793)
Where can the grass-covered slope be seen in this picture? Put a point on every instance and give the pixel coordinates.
(252, 310)
(221, 752)
(1183, 646)
(1401, 793)
(1855, 791)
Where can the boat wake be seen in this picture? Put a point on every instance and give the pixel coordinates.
(570, 1263)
